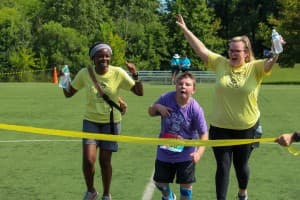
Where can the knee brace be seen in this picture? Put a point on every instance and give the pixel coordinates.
(186, 193)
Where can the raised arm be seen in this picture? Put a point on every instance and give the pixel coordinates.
(198, 46)
(138, 88)
(270, 62)
(286, 139)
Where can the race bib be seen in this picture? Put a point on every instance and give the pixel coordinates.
(172, 148)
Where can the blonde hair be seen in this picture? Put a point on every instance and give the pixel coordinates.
(248, 46)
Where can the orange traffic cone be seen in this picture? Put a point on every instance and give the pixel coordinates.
(54, 76)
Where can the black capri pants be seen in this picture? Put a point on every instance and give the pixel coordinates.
(224, 156)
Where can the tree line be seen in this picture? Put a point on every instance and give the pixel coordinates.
(41, 34)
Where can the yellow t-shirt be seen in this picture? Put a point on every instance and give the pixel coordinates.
(236, 92)
(97, 110)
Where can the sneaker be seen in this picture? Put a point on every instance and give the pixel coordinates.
(106, 197)
(172, 198)
(90, 195)
(239, 197)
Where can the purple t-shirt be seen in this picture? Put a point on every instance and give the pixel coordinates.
(184, 122)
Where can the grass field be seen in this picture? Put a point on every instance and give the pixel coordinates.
(39, 167)
(284, 75)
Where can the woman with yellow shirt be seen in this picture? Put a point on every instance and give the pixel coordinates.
(97, 117)
(235, 111)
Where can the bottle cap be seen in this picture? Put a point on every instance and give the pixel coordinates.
(65, 69)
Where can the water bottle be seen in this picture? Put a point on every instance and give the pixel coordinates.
(276, 41)
(65, 79)
(65, 69)
(257, 135)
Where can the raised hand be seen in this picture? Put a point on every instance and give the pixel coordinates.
(131, 67)
(180, 22)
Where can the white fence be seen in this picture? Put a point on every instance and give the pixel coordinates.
(164, 77)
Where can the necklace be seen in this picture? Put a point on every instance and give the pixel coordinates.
(237, 77)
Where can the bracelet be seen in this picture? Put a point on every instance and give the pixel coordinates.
(296, 136)
(135, 76)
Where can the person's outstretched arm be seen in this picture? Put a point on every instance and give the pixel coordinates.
(287, 139)
(198, 46)
(270, 62)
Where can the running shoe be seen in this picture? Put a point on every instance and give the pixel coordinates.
(106, 197)
(239, 197)
(90, 196)
(173, 197)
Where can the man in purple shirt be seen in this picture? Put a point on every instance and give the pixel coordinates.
(181, 118)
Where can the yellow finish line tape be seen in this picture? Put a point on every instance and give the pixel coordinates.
(293, 151)
(139, 140)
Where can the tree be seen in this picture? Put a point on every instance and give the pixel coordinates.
(137, 22)
(82, 15)
(15, 34)
(141, 31)
(22, 61)
(117, 44)
(62, 46)
(287, 24)
(201, 21)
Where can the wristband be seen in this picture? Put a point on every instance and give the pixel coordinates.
(135, 76)
(296, 136)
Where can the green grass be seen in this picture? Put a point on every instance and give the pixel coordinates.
(51, 170)
(284, 75)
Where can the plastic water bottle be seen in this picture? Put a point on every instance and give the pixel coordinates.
(276, 40)
(257, 135)
(65, 79)
(65, 69)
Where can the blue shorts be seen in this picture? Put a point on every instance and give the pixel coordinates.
(165, 172)
(94, 127)
(175, 70)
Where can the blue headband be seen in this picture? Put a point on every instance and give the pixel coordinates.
(98, 47)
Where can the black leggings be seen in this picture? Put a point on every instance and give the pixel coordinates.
(224, 156)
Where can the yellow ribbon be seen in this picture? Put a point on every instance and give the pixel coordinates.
(293, 151)
(139, 140)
